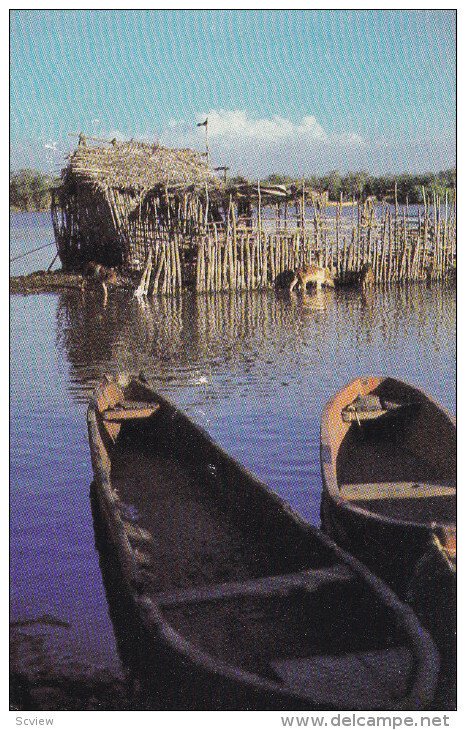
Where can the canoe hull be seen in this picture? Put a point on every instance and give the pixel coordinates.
(404, 559)
(375, 499)
(177, 680)
(389, 549)
(407, 553)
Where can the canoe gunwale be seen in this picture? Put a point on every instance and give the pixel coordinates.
(425, 657)
(329, 471)
(152, 616)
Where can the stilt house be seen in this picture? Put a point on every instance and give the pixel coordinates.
(118, 201)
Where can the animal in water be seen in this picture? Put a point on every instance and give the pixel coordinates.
(317, 275)
(100, 273)
(366, 277)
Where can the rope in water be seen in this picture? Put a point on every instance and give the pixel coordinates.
(23, 255)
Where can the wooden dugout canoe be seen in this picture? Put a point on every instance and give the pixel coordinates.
(388, 457)
(243, 603)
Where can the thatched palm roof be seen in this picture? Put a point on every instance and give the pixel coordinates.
(140, 167)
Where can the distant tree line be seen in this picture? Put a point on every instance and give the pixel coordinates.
(361, 185)
(30, 190)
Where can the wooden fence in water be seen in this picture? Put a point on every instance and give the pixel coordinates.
(400, 245)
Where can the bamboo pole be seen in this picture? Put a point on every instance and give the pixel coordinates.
(435, 251)
(178, 265)
(358, 239)
(158, 270)
(337, 236)
(264, 260)
(343, 266)
(324, 234)
(272, 248)
(241, 262)
(256, 263)
(218, 261)
(234, 247)
(226, 256)
(201, 265)
(209, 257)
(445, 236)
(384, 253)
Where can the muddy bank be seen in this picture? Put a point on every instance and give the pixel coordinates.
(42, 677)
(41, 282)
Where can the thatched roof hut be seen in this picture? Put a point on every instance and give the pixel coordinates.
(118, 201)
(140, 167)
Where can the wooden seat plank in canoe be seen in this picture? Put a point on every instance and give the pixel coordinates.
(395, 490)
(308, 579)
(130, 410)
(357, 679)
(370, 408)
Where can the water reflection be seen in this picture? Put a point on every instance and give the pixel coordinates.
(183, 339)
(318, 301)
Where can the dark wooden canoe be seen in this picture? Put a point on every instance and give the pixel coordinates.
(238, 597)
(388, 457)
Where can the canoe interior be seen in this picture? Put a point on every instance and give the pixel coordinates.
(323, 643)
(401, 465)
(238, 577)
(202, 529)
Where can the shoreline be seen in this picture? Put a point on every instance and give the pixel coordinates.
(46, 282)
(36, 210)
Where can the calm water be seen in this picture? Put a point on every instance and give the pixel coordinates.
(30, 231)
(254, 369)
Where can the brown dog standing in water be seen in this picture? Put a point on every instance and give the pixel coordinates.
(366, 277)
(312, 274)
(103, 274)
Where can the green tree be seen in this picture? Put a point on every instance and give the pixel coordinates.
(354, 185)
(333, 183)
(30, 190)
(278, 179)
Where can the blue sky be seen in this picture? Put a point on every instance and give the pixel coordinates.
(290, 91)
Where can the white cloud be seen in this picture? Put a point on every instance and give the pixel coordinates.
(237, 125)
(256, 146)
(233, 125)
(259, 146)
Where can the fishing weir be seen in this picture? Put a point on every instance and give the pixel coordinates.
(163, 213)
